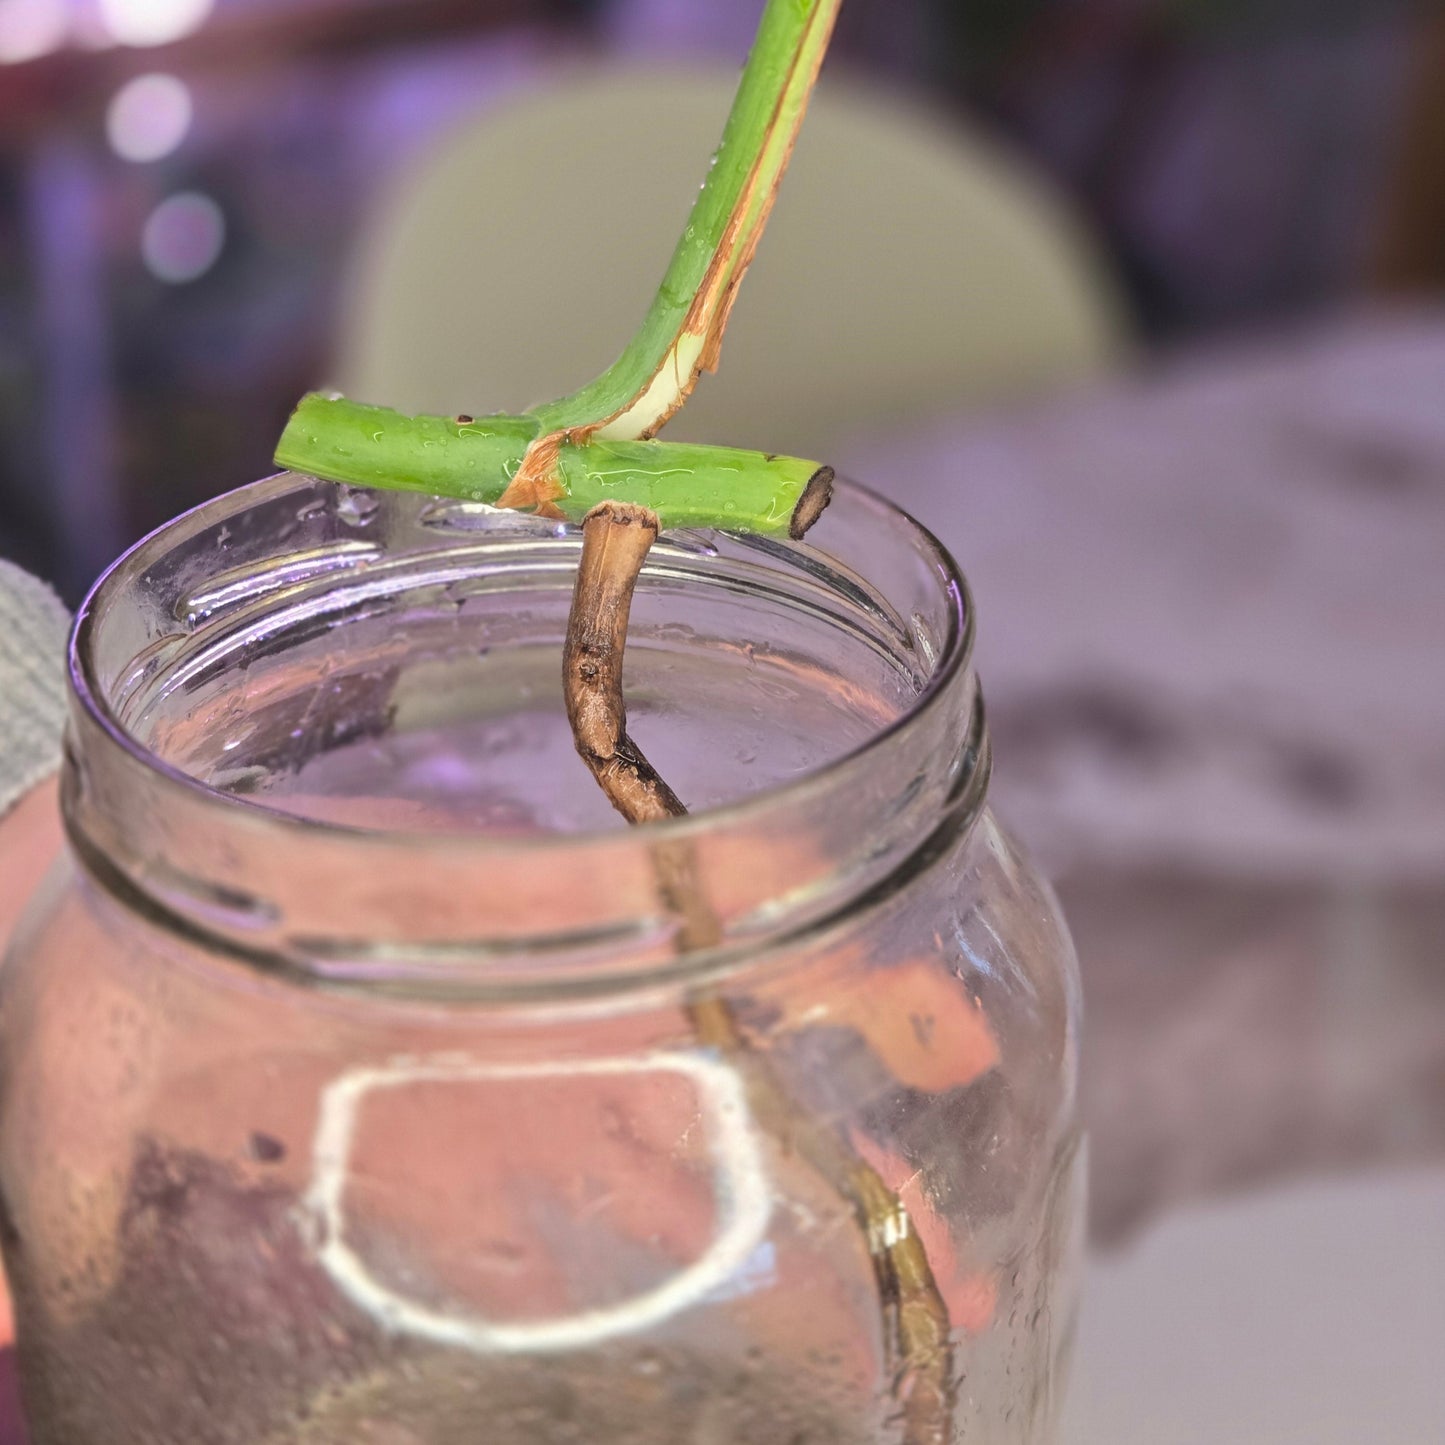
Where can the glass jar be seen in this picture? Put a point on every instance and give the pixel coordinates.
(353, 1086)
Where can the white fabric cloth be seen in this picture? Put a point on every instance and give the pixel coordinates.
(33, 628)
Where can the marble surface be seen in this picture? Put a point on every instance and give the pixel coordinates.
(1210, 601)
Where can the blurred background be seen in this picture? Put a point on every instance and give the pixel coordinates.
(1139, 303)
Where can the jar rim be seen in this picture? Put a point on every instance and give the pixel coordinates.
(98, 726)
(955, 656)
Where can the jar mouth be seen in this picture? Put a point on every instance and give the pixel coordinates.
(192, 611)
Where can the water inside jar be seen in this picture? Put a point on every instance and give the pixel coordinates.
(445, 719)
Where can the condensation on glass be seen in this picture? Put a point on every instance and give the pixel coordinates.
(352, 1083)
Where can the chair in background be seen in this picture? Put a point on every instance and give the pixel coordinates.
(910, 268)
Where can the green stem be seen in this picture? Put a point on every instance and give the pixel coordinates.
(475, 458)
(590, 446)
(683, 330)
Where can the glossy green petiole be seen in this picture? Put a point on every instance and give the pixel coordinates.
(591, 446)
(475, 458)
(681, 335)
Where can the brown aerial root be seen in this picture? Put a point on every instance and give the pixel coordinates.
(617, 537)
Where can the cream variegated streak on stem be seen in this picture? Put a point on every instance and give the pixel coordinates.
(682, 335)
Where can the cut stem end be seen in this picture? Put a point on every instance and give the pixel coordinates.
(813, 503)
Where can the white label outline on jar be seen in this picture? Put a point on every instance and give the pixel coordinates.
(742, 1192)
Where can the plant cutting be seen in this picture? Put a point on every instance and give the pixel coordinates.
(358, 1083)
(593, 458)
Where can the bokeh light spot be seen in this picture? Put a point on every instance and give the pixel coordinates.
(149, 117)
(183, 237)
(154, 22)
(31, 28)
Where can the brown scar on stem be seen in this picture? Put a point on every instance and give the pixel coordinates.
(711, 356)
(917, 1328)
(697, 319)
(709, 316)
(537, 484)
